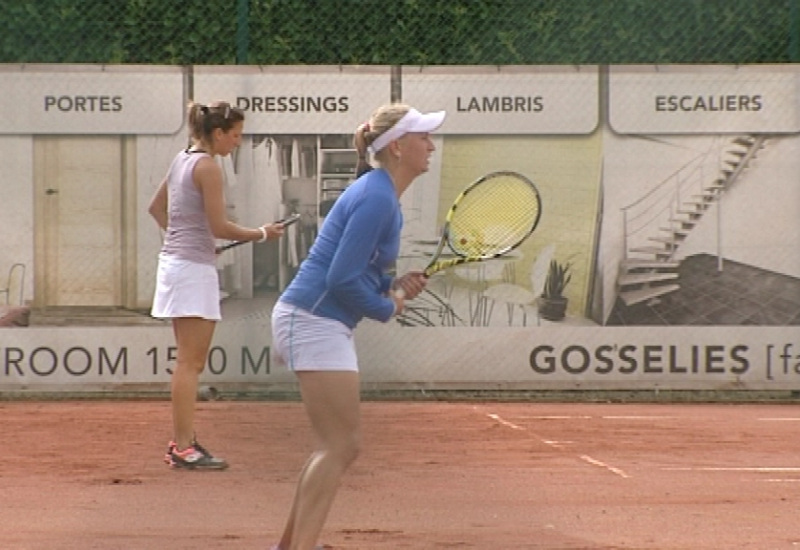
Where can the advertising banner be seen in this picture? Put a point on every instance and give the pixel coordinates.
(685, 99)
(297, 99)
(90, 99)
(508, 100)
(669, 234)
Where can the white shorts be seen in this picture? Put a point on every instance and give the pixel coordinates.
(186, 289)
(306, 342)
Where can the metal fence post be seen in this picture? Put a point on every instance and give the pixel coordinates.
(794, 31)
(242, 31)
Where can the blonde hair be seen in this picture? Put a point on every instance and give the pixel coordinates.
(381, 120)
(204, 119)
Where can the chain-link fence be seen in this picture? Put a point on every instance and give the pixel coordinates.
(438, 32)
(650, 129)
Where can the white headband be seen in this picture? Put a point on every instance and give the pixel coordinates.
(412, 122)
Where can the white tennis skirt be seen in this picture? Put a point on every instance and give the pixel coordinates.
(307, 342)
(186, 289)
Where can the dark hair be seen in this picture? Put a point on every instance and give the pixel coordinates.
(204, 119)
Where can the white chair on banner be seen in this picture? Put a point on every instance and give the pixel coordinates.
(515, 296)
(15, 285)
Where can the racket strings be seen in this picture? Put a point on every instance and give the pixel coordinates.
(493, 216)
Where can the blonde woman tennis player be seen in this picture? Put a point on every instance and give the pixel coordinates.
(345, 278)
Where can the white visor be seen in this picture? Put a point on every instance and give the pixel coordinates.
(412, 122)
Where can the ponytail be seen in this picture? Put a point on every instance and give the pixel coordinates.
(360, 144)
(365, 135)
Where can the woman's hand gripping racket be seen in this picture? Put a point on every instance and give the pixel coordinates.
(287, 221)
(491, 217)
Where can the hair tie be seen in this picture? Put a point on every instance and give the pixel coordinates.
(204, 109)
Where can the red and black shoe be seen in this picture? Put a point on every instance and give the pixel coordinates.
(194, 457)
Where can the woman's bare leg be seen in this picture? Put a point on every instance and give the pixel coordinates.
(332, 402)
(193, 338)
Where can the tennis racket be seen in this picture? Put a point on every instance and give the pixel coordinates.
(489, 218)
(287, 221)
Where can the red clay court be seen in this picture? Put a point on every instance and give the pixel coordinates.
(432, 475)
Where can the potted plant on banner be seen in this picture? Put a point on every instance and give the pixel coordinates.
(552, 302)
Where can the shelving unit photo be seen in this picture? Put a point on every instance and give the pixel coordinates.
(337, 169)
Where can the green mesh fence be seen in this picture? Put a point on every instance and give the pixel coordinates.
(623, 112)
(432, 32)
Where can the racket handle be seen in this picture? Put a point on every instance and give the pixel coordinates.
(400, 293)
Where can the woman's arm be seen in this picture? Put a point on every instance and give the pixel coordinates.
(349, 276)
(158, 205)
(208, 178)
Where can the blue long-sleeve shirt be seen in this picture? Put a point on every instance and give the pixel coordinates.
(345, 275)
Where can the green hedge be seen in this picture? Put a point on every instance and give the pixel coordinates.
(410, 32)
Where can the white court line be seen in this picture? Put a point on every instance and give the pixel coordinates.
(558, 445)
(548, 442)
(555, 444)
(511, 425)
(639, 417)
(732, 469)
(554, 417)
(589, 417)
(612, 469)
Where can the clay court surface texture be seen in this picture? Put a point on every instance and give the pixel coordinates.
(431, 475)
